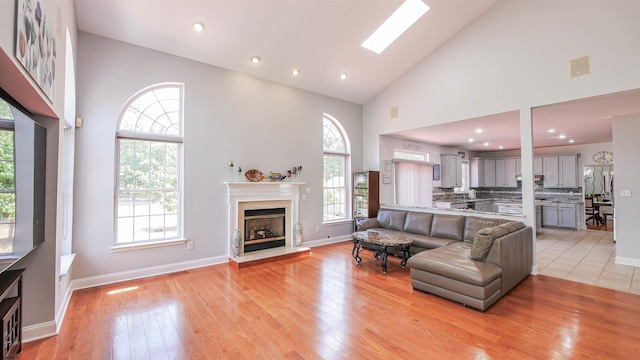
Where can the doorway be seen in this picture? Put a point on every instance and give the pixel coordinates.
(598, 190)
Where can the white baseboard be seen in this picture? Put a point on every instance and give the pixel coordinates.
(327, 241)
(99, 280)
(627, 261)
(38, 331)
(62, 310)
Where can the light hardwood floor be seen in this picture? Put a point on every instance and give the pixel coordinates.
(324, 306)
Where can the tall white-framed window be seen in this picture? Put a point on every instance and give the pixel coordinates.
(149, 174)
(413, 183)
(336, 171)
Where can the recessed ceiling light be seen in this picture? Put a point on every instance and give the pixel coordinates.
(486, 144)
(343, 76)
(478, 131)
(401, 19)
(572, 141)
(551, 130)
(470, 139)
(255, 59)
(562, 136)
(500, 147)
(295, 72)
(198, 27)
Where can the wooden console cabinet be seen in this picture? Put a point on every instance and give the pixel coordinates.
(11, 312)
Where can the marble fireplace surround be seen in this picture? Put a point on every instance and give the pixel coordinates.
(261, 195)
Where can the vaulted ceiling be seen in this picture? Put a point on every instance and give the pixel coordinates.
(322, 38)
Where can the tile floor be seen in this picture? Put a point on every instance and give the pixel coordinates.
(586, 256)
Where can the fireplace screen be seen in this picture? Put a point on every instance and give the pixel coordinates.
(264, 229)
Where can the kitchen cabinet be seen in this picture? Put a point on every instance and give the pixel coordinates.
(489, 172)
(477, 172)
(506, 173)
(560, 171)
(537, 166)
(567, 215)
(550, 215)
(366, 186)
(450, 170)
(538, 218)
(564, 215)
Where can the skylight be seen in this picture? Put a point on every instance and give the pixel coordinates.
(401, 19)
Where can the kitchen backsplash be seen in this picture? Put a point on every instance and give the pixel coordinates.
(442, 194)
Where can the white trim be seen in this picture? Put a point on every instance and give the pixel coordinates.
(147, 245)
(38, 331)
(62, 310)
(627, 261)
(65, 263)
(99, 280)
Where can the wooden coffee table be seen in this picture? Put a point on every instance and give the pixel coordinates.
(383, 245)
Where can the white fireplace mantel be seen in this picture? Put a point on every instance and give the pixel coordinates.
(247, 192)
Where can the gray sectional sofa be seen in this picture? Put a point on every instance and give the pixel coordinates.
(468, 259)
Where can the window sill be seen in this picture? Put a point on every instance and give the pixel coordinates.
(337, 222)
(65, 263)
(147, 245)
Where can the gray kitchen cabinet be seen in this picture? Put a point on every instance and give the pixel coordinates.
(560, 171)
(501, 178)
(568, 170)
(550, 215)
(567, 215)
(489, 172)
(562, 215)
(537, 166)
(450, 170)
(551, 176)
(477, 172)
(510, 172)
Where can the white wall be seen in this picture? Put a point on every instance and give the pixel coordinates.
(515, 56)
(228, 116)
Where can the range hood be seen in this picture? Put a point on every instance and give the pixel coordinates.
(536, 178)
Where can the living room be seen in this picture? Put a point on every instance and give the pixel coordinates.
(506, 59)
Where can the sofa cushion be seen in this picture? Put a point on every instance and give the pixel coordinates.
(474, 223)
(452, 261)
(392, 219)
(368, 224)
(448, 226)
(485, 237)
(418, 223)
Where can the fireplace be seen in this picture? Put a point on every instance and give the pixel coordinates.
(264, 229)
(272, 210)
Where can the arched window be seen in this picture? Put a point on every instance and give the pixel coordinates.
(337, 170)
(149, 183)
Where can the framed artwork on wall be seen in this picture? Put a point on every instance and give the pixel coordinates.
(436, 172)
(36, 43)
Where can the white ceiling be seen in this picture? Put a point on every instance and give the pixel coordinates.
(322, 38)
(586, 121)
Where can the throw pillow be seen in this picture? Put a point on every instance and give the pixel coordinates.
(484, 240)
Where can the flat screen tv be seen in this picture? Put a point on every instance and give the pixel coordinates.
(22, 181)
